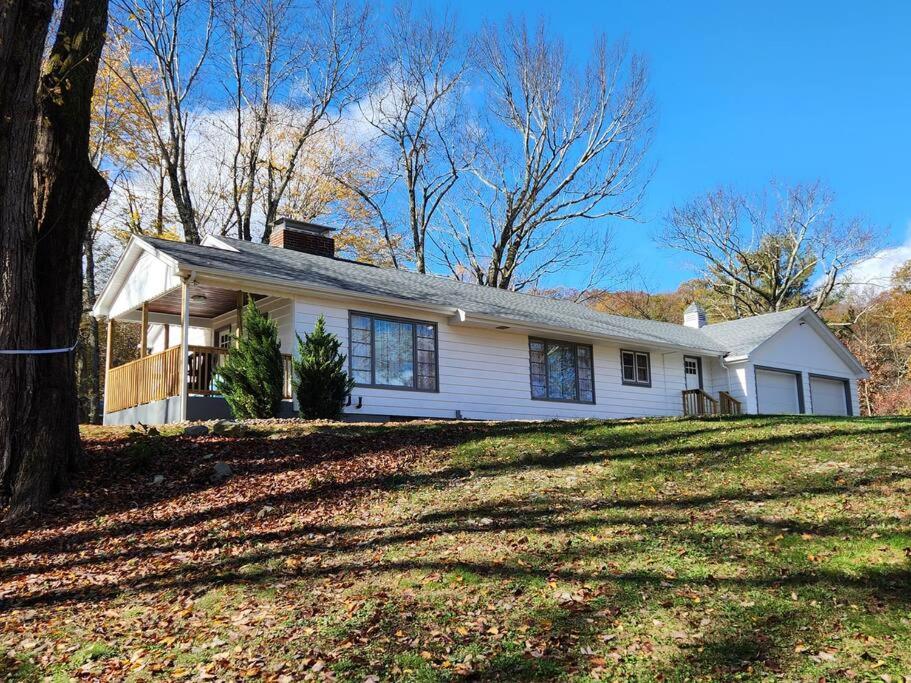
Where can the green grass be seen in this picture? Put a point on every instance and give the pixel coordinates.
(91, 652)
(738, 549)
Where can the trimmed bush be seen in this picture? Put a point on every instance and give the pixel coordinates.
(320, 382)
(251, 378)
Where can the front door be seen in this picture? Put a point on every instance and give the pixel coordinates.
(691, 372)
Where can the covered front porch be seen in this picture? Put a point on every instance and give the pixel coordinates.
(185, 335)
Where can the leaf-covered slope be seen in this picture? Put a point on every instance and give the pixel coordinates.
(430, 551)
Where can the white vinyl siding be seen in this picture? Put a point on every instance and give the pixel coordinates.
(484, 373)
(734, 378)
(149, 277)
(199, 336)
(800, 348)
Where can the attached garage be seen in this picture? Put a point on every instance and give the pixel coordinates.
(778, 392)
(829, 395)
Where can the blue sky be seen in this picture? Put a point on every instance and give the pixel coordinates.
(748, 92)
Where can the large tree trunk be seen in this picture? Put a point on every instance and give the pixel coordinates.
(23, 31)
(67, 190)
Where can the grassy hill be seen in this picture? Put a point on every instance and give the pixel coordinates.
(742, 548)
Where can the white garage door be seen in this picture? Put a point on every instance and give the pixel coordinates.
(828, 396)
(777, 392)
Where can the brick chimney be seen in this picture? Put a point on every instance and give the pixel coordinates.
(309, 238)
(694, 316)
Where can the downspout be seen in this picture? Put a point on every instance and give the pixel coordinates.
(727, 371)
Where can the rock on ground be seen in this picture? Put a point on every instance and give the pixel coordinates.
(196, 430)
(221, 471)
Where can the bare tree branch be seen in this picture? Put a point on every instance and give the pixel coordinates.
(419, 70)
(760, 260)
(159, 38)
(563, 146)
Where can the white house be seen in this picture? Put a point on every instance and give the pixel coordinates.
(425, 346)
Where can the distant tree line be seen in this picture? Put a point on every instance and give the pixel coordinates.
(875, 323)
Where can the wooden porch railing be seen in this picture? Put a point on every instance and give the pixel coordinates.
(203, 364)
(729, 404)
(157, 376)
(698, 402)
(144, 380)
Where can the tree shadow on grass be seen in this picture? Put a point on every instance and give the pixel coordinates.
(107, 486)
(299, 455)
(112, 480)
(347, 551)
(593, 451)
(525, 514)
(180, 458)
(532, 515)
(67, 542)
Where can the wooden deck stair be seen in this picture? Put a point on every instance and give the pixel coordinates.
(700, 402)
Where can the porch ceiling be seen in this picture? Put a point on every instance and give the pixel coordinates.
(217, 301)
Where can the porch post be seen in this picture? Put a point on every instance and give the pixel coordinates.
(144, 335)
(108, 352)
(239, 322)
(167, 335)
(184, 346)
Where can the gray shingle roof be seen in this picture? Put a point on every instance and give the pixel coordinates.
(740, 337)
(303, 270)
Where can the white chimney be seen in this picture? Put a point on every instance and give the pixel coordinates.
(694, 316)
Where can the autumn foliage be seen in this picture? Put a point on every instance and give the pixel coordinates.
(876, 326)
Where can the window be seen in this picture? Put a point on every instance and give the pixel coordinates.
(561, 371)
(223, 337)
(393, 353)
(637, 368)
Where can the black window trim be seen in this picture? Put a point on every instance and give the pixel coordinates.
(414, 351)
(575, 345)
(648, 364)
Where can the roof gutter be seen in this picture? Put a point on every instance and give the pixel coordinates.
(652, 343)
